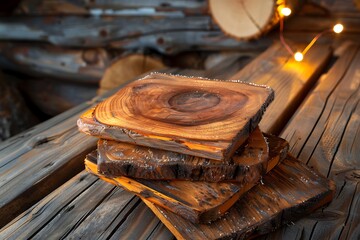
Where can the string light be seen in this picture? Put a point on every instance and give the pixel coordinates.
(287, 47)
(299, 56)
(285, 11)
(338, 28)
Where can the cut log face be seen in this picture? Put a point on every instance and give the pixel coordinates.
(192, 116)
(248, 19)
(203, 201)
(291, 190)
(122, 159)
(244, 19)
(127, 68)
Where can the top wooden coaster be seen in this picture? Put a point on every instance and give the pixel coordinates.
(199, 117)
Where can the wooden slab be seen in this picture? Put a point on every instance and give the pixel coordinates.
(289, 191)
(44, 157)
(76, 214)
(248, 164)
(205, 118)
(41, 180)
(203, 202)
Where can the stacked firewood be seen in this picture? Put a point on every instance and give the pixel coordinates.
(193, 147)
(65, 52)
(64, 47)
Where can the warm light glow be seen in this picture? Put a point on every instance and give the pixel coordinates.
(298, 56)
(338, 28)
(285, 11)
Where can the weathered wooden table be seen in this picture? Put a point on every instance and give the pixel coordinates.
(316, 108)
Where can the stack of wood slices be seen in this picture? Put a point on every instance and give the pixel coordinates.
(192, 150)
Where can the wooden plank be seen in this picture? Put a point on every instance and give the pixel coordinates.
(23, 182)
(335, 8)
(327, 140)
(71, 30)
(204, 202)
(121, 159)
(160, 232)
(166, 35)
(115, 7)
(75, 214)
(290, 80)
(290, 190)
(21, 139)
(193, 116)
(80, 203)
(44, 61)
(320, 23)
(172, 42)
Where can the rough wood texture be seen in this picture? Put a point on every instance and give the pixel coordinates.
(188, 115)
(203, 202)
(318, 24)
(93, 31)
(45, 61)
(336, 8)
(327, 140)
(79, 212)
(291, 190)
(166, 35)
(114, 7)
(72, 215)
(289, 79)
(121, 159)
(23, 182)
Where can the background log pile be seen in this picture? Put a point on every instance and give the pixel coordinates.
(61, 49)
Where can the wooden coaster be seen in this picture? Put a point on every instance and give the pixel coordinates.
(248, 164)
(194, 116)
(291, 190)
(196, 201)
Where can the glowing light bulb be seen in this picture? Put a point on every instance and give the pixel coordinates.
(298, 56)
(285, 11)
(338, 28)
